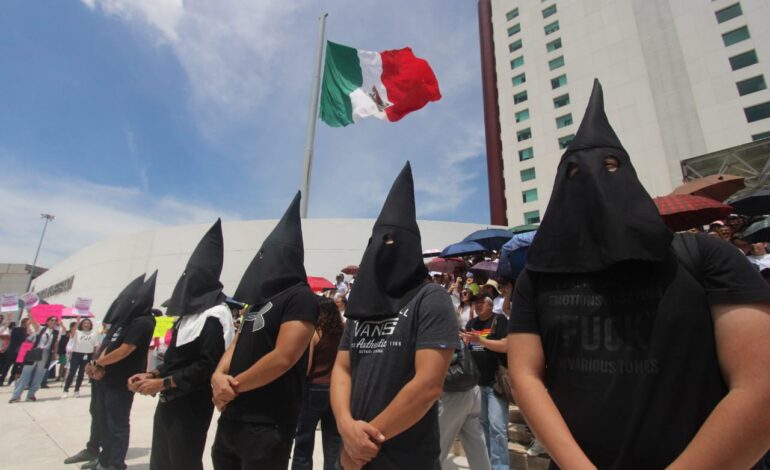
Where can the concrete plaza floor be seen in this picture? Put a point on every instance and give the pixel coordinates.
(40, 435)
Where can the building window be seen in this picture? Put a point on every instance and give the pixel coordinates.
(522, 116)
(512, 14)
(529, 195)
(563, 121)
(550, 11)
(553, 45)
(762, 136)
(729, 13)
(519, 79)
(757, 112)
(532, 217)
(743, 60)
(556, 63)
(517, 62)
(514, 29)
(565, 141)
(736, 36)
(751, 85)
(514, 46)
(551, 28)
(558, 82)
(524, 134)
(526, 154)
(520, 97)
(561, 101)
(528, 174)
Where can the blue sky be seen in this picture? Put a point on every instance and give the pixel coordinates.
(124, 115)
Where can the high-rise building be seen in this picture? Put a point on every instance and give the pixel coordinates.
(685, 87)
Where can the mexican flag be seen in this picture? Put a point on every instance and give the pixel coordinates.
(387, 85)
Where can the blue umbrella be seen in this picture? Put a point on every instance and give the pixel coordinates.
(491, 238)
(463, 248)
(513, 255)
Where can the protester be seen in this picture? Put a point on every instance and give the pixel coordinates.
(486, 335)
(759, 256)
(17, 336)
(465, 308)
(396, 348)
(628, 351)
(315, 402)
(258, 383)
(125, 354)
(200, 335)
(117, 310)
(5, 340)
(342, 287)
(341, 302)
(470, 283)
(37, 359)
(61, 350)
(83, 347)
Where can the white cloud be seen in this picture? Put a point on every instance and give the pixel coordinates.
(85, 212)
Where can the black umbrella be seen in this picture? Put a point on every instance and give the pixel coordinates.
(491, 238)
(463, 248)
(758, 232)
(756, 202)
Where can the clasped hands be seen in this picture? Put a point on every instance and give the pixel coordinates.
(145, 384)
(224, 388)
(361, 442)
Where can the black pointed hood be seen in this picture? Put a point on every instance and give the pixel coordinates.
(143, 298)
(597, 217)
(390, 274)
(279, 263)
(121, 302)
(198, 288)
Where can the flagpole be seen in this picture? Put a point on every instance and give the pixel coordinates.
(312, 118)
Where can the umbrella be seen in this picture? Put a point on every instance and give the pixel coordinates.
(756, 202)
(491, 238)
(716, 187)
(68, 312)
(513, 255)
(463, 248)
(319, 284)
(523, 228)
(758, 232)
(485, 268)
(683, 211)
(445, 265)
(431, 252)
(350, 269)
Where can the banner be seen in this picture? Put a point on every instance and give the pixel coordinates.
(9, 302)
(30, 300)
(42, 312)
(82, 305)
(162, 325)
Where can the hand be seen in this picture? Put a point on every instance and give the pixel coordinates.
(95, 372)
(224, 387)
(347, 462)
(361, 440)
(149, 386)
(472, 337)
(134, 379)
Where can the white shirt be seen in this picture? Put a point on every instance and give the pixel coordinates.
(342, 288)
(762, 262)
(45, 338)
(497, 304)
(84, 342)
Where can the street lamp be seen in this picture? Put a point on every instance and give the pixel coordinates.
(48, 218)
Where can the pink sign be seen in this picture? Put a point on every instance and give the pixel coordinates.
(30, 299)
(9, 303)
(25, 347)
(82, 305)
(42, 312)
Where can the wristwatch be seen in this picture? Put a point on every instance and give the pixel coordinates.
(167, 383)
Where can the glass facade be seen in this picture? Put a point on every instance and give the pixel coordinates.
(751, 85)
(736, 36)
(729, 13)
(520, 97)
(526, 154)
(528, 174)
(743, 60)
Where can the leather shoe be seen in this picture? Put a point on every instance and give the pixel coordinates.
(84, 455)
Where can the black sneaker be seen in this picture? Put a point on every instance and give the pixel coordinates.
(84, 455)
(31, 399)
(90, 465)
(13, 400)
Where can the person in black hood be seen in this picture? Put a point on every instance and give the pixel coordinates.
(627, 348)
(258, 383)
(396, 348)
(123, 355)
(199, 338)
(93, 446)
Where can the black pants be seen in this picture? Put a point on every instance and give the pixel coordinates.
(94, 443)
(115, 413)
(246, 446)
(8, 361)
(78, 363)
(179, 432)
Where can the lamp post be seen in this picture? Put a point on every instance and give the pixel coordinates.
(48, 218)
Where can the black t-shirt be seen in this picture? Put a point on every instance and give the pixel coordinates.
(192, 364)
(18, 335)
(139, 334)
(63, 340)
(382, 354)
(278, 402)
(630, 354)
(488, 360)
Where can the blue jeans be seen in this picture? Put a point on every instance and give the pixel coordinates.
(32, 375)
(316, 407)
(494, 422)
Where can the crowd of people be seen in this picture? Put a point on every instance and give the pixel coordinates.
(624, 345)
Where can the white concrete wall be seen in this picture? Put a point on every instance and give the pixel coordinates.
(102, 270)
(669, 91)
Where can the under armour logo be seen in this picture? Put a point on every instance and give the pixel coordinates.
(258, 317)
